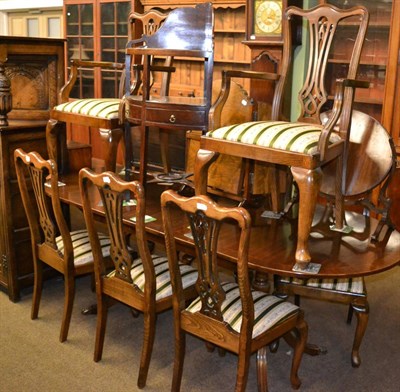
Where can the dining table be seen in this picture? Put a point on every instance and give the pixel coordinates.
(273, 243)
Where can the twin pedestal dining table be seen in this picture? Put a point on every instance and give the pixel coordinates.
(273, 244)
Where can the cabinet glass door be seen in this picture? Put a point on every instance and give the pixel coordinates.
(80, 43)
(113, 38)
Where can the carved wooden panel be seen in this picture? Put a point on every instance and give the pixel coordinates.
(35, 69)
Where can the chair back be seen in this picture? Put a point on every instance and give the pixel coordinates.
(323, 22)
(188, 29)
(143, 25)
(45, 216)
(108, 192)
(206, 219)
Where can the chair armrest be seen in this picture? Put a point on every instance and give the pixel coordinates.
(227, 75)
(338, 105)
(73, 75)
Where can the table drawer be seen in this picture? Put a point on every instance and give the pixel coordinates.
(189, 119)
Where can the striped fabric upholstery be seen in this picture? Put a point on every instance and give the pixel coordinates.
(163, 278)
(295, 137)
(269, 310)
(102, 108)
(81, 246)
(346, 285)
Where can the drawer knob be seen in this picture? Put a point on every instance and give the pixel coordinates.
(172, 119)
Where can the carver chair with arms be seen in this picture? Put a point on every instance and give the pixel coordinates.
(52, 241)
(307, 144)
(143, 282)
(101, 113)
(226, 314)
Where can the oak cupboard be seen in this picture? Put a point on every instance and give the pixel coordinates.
(34, 68)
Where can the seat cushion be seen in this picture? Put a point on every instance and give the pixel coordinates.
(282, 135)
(163, 278)
(106, 108)
(269, 310)
(82, 248)
(345, 285)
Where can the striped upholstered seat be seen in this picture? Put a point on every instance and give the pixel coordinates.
(163, 278)
(106, 108)
(82, 248)
(345, 285)
(295, 137)
(269, 310)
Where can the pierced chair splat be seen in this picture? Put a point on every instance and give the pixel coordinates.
(53, 243)
(307, 144)
(226, 314)
(102, 113)
(143, 282)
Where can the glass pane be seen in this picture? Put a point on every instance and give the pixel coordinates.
(108, 56)
(107, 19)
(72, 14)
(87, 84)
(110, 84)
(86, 19)
(107, 43)
(54, 27)
(123, 10)
(32, 27)
(86, 13)
(107, 12)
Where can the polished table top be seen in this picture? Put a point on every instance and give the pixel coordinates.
(273, 245)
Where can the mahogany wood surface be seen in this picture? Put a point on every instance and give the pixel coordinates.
(121, 286)
(209, 322)
(272, 246)
(305, 168)
(185, 33)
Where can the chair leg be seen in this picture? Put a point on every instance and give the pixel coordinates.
(56, 141)
(148, 342)
(349, 314)
(302, 332)
(144, 138)
(102, 311)
(243, 369)
(37, 288)
(69, 288)
(110, 139)
(262, 370)
(164, 144)
(361, 309)
(309, 183)
(180, 345)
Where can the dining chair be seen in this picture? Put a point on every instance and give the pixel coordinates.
(187, 32)
(351, 291)
(53, 244)
(143, 282)
(305, 145)
(228, 314)
(95, 112)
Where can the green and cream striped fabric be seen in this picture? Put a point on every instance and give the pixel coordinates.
(163, 278)
(295, 137)
(346, 285)
(82, 248)
(106, 108)
(269, 310)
